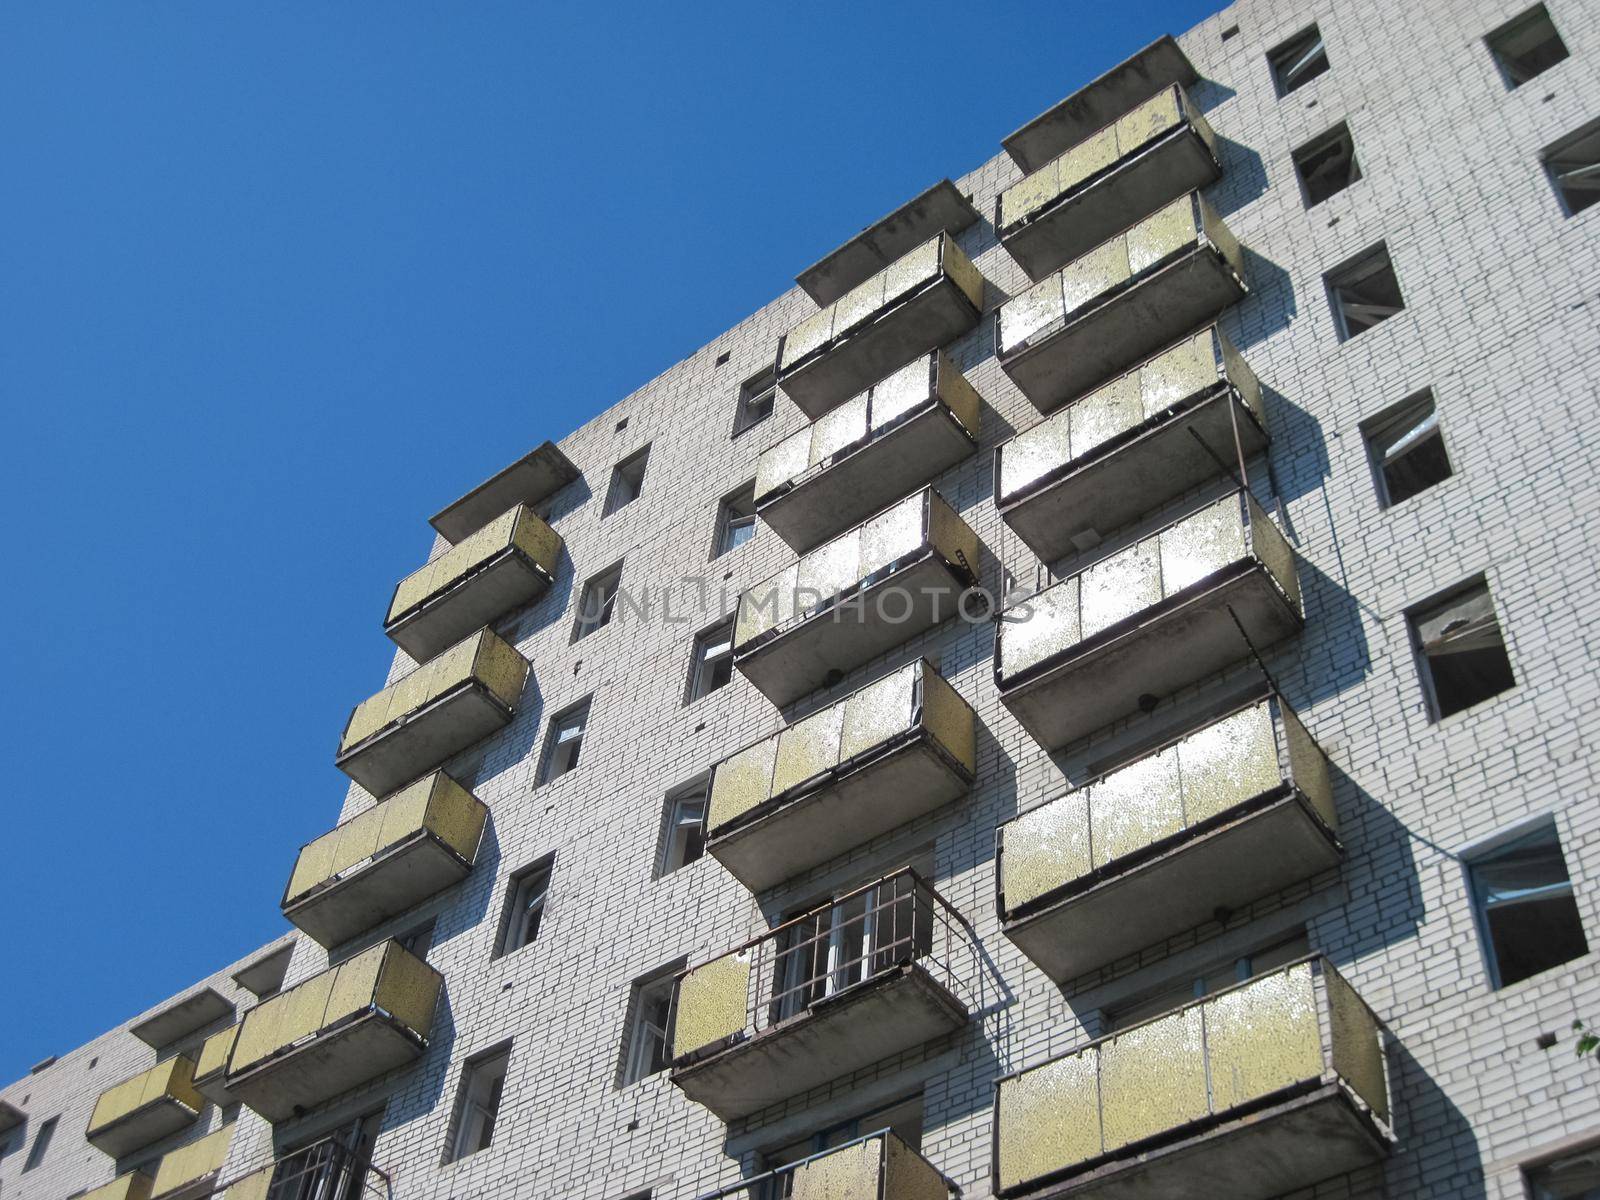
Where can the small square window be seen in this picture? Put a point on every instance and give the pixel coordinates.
(736, 519)
(1574, 166)
(41, 1144)
(1571, 1177)
(565, 741)
(683, 838)
(712, 665)
(483, 1082)
(1364, 292)
(1298, 61)
(627, 481)
(597, 603)
(525, 904)
(1523, 898)
(1327, 165)
(645, 1053)
(1461, 650)
(757, 396)
(1526, 46)
(1407, 450)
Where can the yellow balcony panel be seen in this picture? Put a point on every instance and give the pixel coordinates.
(507, 564)
(884, 755)
(876, 447)
(181, 1018)
(875, 973)
(1147, 620)
(877, 1165)
(855, 597)
(386, 860)
(534, 477)
(1127, 85)
(1223, 816)
(1254, 1092)
(924, 299)
(210, 1068)
(444, 707)
(942, 208)
(1130, 446)
(188, 1172)
(335, 1031)
(135, 1185)
(146, 1108)
(1121, 302)
(1129, 168)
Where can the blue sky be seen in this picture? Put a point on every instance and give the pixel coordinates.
(257, 258)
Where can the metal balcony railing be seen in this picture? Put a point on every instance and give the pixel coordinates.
(1130, 167)
(875, 1166)
(1256, 1091)
(877, 971)
(871, 450)
(325, 1170)
(1122, 301)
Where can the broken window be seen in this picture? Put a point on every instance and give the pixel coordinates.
(1571, 1177)
(1463, 654)
(736, 519)
(756, 399)
(525, 905)
(1526, 46)
(712, 667)
(1298, 61)
(1364, 292)
(627, 481)
(1574, 166)
(1407, 449)
(483, 1084)
(565, 741)
(598, 602)
(1327, 165)
(684, 837)
(1525, 906)
(645, 1051)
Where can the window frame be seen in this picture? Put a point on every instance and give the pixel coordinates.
(1485, 850)
(632, 1069)
(758, 391)
(514, 919)
(1414, 616)
(1555, 1159)
(1508, 29)
(730, 520)
(621, 480)
(587, 622)
(712, 637)
(696, 793)
(1381, 424)
(1548, 160)
(1355, 270)
(1277, 57)
(581, 710)
(471, 1071)
(1309, 149)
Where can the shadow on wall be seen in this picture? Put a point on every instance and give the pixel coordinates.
(1432, 1133)
(1377, 849)
(1244, 178)
(1268, 309)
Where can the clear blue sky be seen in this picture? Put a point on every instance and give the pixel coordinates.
(260, 259)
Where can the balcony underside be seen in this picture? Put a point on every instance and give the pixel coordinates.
(841, 638)
(327, 1066)
(1105, 205)
(869, 479)
(794, 836)
(398, 880)
(537, 475)
(1175, 643)
(928, 319)
(507, 582)
(1123, 480)
(1180, 887)
(888, 1014)
(1124, 327)
(941, 207)
(161, 1118)
(1268, 1152)
(439, 730)
(1126, 86)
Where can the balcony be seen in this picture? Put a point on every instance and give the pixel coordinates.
(530, 480)
(187, 1172)
(364, 1018)
(210, 1068)
(1094, 106)
(855, 597)
(183, 1017)
(152, 1105)
(1225, 815)
(386, 860)
(1149, 619)
(868, 452)
(321, 1171)
(879, 1164)
(508, 563)
(877, 972)
(942, 208)
(928, 297)
(135, 1185)
(1130, 446)
(884, 755)
(1124, 300)
(440, 709)
(1132, 166)
(1259, 1091)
